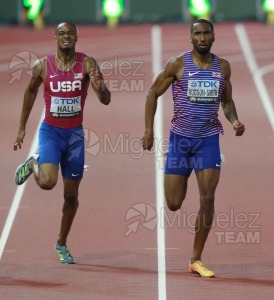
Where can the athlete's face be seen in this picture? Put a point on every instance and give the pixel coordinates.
(202, 37)
(66, 36)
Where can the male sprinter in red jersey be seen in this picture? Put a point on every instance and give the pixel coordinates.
(66, 76)
(200, 82)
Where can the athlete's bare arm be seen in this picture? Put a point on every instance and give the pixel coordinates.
(169, 75)
(227, 102)
(97, 80)
(29, 99)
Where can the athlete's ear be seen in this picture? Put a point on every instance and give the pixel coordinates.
(213, 37)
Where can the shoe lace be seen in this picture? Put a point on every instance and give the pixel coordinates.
(64, 251)
(198, 262)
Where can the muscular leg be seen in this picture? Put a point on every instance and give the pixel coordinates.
(175, 190)
(207, 181)
(69, 209)
(45, 175)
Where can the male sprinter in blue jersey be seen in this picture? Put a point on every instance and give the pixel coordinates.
(200, 82)
(66, 76)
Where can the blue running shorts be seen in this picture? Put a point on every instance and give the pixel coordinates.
(185, 154)
(63, 146)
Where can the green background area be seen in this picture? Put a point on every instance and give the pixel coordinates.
(136, 11)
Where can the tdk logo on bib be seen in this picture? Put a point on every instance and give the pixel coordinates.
(204, 83)
(66, 101)
(66, 86)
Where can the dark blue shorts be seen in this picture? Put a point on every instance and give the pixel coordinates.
(185, 154)
(62, 146)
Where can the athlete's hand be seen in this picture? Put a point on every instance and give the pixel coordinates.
(19, 139)
(147, 141)
(239, 128)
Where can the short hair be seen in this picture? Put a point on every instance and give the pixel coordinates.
(71, 24)
(202, 21)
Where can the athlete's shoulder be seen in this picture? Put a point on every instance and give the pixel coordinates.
(174, 64)
(90, 63)
(176, 60)
(81, 56)
(40, 62)
(221, 60)
(225, 67)
(90, 59)
(39, 66)
(224, 62)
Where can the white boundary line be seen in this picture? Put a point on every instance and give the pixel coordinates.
(256, 72)
(158, 135)
(17, 197)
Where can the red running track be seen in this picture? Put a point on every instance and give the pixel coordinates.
(114, 262)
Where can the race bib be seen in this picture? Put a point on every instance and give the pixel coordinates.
(203, 91)
(65, 107)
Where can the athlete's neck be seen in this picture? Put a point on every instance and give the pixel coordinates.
(65, 61)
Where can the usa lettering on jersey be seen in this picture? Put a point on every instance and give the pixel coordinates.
(66, 86)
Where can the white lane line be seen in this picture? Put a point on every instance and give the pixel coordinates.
(156, 33)
(256, 72)
(17, 197)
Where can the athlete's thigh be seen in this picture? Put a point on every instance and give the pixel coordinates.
(207, 154)
(50, 145)
(48, 172)
(208, 180)
(178, 161)
(50, 148)
(72, 162)
(175, 188)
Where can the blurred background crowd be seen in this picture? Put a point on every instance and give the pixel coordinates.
(112, 13)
